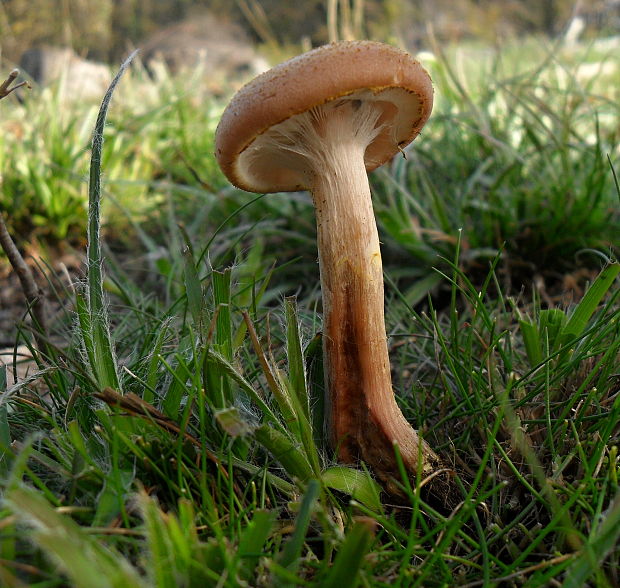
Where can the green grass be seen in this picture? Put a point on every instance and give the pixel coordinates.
(174, 438)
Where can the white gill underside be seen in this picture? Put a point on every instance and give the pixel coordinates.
(291, 153)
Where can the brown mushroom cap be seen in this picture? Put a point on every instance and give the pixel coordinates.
(349, 70)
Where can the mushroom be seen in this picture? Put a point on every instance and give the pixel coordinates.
(320, 122)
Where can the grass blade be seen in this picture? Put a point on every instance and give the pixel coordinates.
(103, 363)
(252, 541)
(579, 319)
(289, 557)
(531, 340)
(355, 483)
(87, 563)
(290, 456)
(598, 546)
(223, 324)
(297, 376)
(193, 290)
(345, 570)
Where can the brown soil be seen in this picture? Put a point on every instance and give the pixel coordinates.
(55, 279)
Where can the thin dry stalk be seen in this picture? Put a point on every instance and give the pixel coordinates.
(258, 19)
(332, 20)
(32, 293)
(6, 87)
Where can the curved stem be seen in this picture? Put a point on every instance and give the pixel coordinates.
(363, 419)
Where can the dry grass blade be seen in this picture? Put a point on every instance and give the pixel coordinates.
(135, 406)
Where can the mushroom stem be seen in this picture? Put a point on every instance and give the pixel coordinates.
(363, 420)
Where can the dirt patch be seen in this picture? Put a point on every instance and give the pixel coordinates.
(55, 279)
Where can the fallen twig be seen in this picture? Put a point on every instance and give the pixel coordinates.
(6, 87)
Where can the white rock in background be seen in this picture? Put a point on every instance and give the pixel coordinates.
(25, 365)
(80, 79)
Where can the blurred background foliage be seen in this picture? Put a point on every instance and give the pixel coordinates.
(104, 30)
(516, 156)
